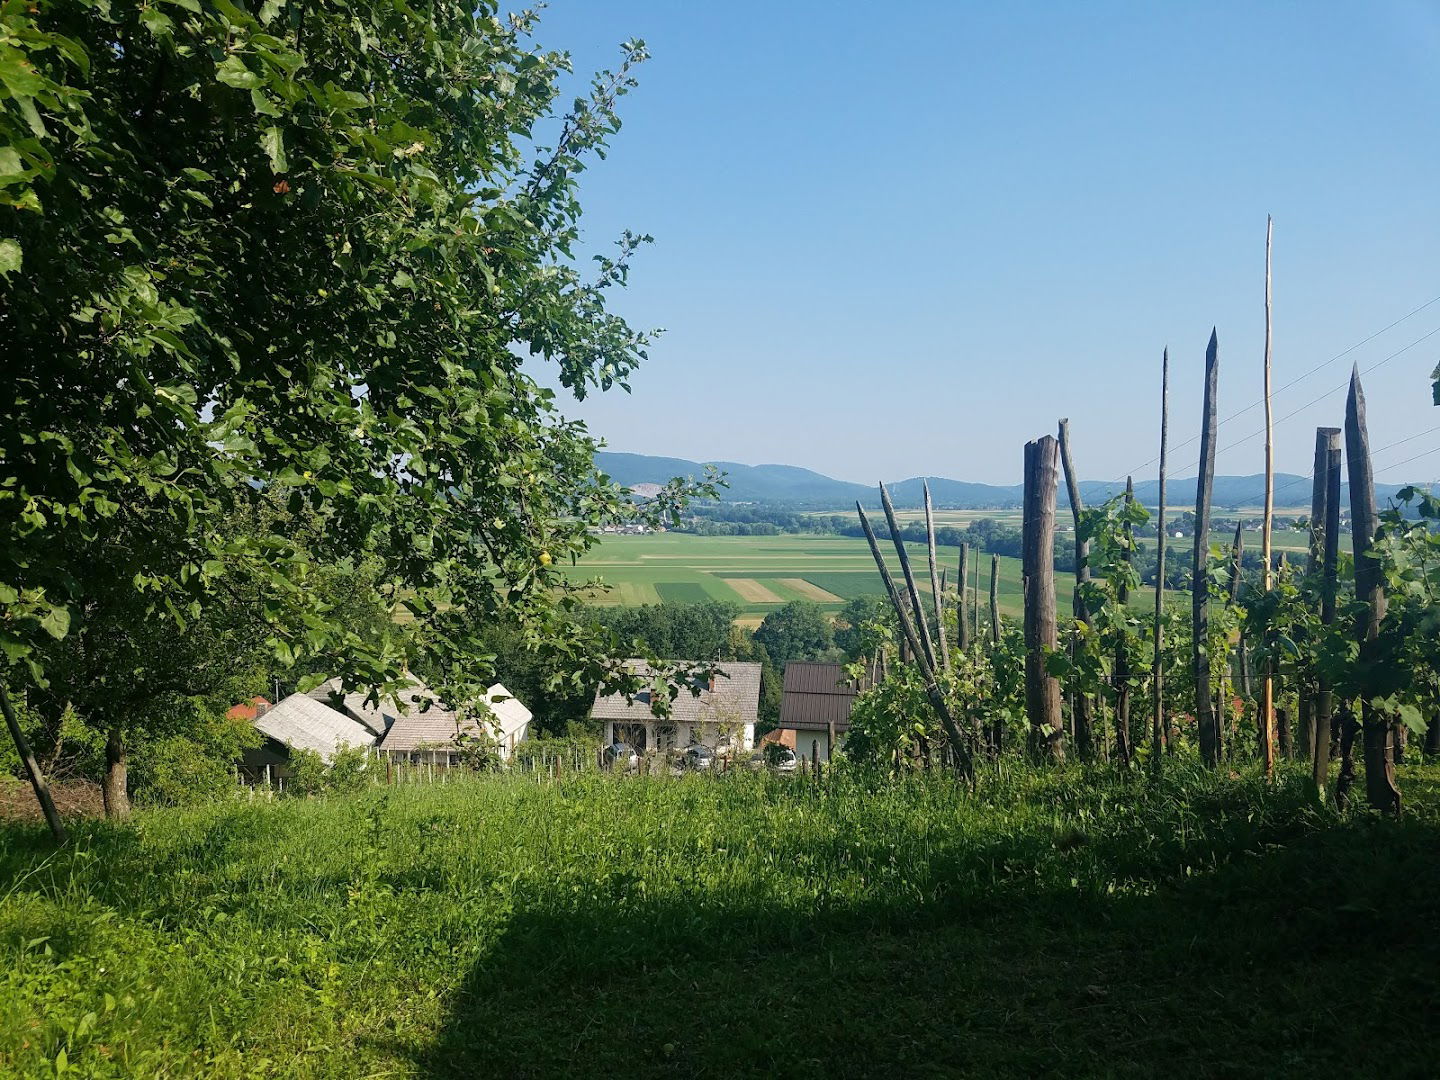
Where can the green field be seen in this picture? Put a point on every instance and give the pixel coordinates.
(1065, 923)
(760, 573)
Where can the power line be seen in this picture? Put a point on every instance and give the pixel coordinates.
(1300, 378)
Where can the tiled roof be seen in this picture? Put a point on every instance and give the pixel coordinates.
(815, 696)
(436, 727)
(734, 700)
(302, 722)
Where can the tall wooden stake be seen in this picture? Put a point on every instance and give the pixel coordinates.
(962, 757)
(962, 622)
(1267, 688)
(1122, 656)
(994, 600)
(1159, 727)
(1042, 690)
(1200, 578)
(32, 769)
(1330, 587)
(936, 590)
(1314, 563)
(1084, 718)
(975, 598)
(1380, 786)
(926, 648)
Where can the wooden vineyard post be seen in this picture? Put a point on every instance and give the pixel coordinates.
(1267, 687)
(1235, 670)
(926, 648)
(1122, 658)
(1380, 785)
(1205, 717)
(1042, 690)
(1159, 727)
(975, 598)
(1313, 729)
(961, 621)
(1084, 713)
(994, 600)
(936, 590)
(32, 769)
(961, 750)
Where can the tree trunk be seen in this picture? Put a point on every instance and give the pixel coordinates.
(1042, 690)
(32, 768)
(1082, 708)
(1348, 729)
(1380, 786)
(1206, 721)
(1432, 737)
(114, 786)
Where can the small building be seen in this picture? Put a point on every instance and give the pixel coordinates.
(815, 709)
(720, 714)
(421, 735)
(298, 722)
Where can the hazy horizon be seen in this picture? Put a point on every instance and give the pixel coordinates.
(903, 247)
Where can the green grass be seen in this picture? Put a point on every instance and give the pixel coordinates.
(682, 592)
(1061, 924)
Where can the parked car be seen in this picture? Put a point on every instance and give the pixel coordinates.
(696, 757)
(622, 755)
(780, 758)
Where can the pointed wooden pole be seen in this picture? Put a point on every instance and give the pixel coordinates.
(975, 598)
(1122, 656)
(921, 623)
(936, 589)
(1200, 577)
(1084, 713)
(1329, 589)
(1380, 786)
(963, 623)
(1042, 690)
(1267, 687)
(32, 769)
(994, 600)
(1159, 726)
(963, 759)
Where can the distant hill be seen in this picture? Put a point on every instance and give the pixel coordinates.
(799, 488)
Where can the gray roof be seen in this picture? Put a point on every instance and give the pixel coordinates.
(376, 717)
(437, 726)
(735, 698)
(304, 723)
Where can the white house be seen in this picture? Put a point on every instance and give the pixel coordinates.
(722, 715)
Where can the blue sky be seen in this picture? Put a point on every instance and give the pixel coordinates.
(901, 239)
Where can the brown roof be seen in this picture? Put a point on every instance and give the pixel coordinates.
(816, 695)
(734, 700)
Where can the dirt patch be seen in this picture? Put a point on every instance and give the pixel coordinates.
(809, 590)
(751, 591)
(73, 798)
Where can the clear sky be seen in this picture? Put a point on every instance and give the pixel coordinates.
(901, 238)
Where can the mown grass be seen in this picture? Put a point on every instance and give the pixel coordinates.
(1053, 924)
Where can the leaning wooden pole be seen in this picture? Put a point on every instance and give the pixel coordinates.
(937, 591)
(962, 622)
(1267, 687)
(1084, 713)
(921, 622)
(1205, 717)
(32, 769)
(1158, 724)
(994, 600)
(1042, 690)
(1122, 655)
(1380, 786)
(1329, 591)
(960, 749)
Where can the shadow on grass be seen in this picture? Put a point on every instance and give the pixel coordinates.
(1319, 957)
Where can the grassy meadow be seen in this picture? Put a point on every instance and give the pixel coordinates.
(1053, 924)
(760, 573)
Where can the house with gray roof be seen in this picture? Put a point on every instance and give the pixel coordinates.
(720, 714)
(431, 734)
(299, 722)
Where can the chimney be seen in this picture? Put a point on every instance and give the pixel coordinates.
(712, 683)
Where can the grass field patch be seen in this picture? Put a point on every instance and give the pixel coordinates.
(751, 591)
(810, 591)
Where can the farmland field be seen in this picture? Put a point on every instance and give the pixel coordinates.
(760, 573)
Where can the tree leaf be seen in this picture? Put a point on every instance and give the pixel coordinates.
(273, 143)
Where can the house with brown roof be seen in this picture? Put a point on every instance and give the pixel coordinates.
(720, 714)
(815, 709)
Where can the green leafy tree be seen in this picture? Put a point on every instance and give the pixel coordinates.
(799, 630)
(307, 246)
